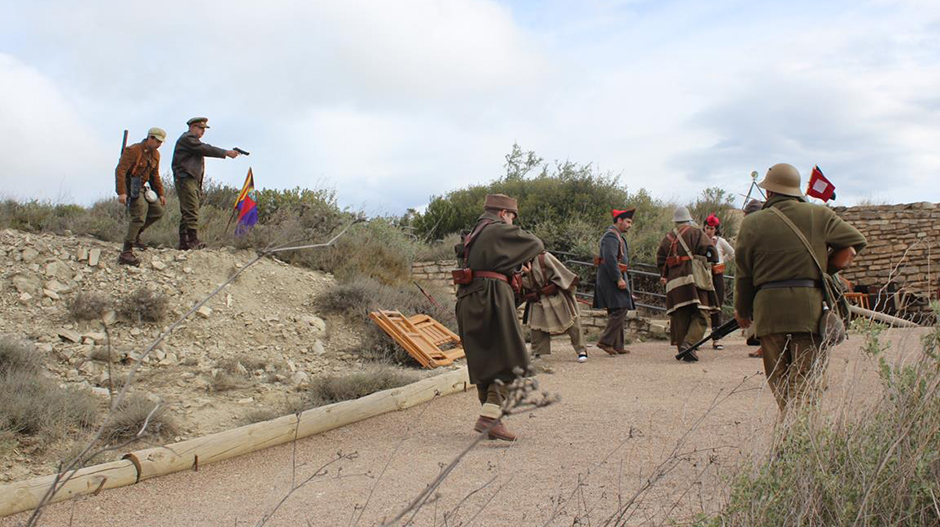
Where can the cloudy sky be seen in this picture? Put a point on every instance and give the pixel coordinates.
(390, 102)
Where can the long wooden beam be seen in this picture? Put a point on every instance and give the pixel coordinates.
(152, 462)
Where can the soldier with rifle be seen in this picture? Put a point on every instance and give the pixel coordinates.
(189, 168)
(139, 166)
(785, 254)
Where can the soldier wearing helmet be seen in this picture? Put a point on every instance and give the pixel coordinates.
(778, 285)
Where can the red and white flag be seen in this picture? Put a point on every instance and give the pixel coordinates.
(820, 187)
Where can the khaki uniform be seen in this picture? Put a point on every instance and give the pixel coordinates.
(486, 308)
(139, 161)
(555, 313)
(686, 304)
(768, 253)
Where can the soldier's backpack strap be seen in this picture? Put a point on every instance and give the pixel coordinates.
(473, 236)
(809, 248)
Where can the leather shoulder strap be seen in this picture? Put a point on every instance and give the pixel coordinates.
(472, 237)
(685, 246)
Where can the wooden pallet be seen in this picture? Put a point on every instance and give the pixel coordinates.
(421, 336)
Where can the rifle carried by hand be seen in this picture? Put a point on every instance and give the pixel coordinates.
(720, 332)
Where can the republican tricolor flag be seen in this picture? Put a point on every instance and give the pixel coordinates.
(820, 187)
(246, 206)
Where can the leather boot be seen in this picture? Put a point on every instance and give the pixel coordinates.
(498, 430)
(689, 357)
(139, 245)
(184, 239)
(127, 255)
(194, 242)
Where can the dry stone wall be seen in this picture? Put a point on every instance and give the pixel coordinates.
(903, 246)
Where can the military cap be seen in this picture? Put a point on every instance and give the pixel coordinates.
(202, 122)
(625, 213)
(501, 202)
(158, 133)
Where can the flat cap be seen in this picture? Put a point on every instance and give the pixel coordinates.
(158, 133)
(202, 122)
(501, 202)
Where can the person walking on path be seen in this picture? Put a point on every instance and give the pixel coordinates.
(551, 307)
(189, 168)
(783, 253)
(684, 257)
(493, 255)
(612, 287)
(140, 165)
(712, 229)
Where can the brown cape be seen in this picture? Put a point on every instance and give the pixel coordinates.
(555, 313)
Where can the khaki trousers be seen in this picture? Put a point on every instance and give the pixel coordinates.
(613, 331)
(141, 215)
(187, 190)
(542, 341)
(792, 362)
(688, 325)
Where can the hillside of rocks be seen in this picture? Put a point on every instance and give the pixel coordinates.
(256, 347)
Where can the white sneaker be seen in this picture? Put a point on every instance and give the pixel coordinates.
(582, 357)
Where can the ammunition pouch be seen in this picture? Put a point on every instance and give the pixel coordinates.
(133, 187)
(676, 261)
(462, 276)
(533, 296)
(718, 268)
(598, 261)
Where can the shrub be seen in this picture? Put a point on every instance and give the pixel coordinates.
(333, 389)
(144, 305)
(36, 406)
(131, 416)
(88, 305)
(18, 357)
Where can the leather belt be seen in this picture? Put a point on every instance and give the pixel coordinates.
(789, 283)
(490, 274)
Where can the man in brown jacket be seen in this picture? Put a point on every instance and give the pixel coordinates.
(189, 168)
(778, 284)
(489, 329)
(140, 165)
(689, 299)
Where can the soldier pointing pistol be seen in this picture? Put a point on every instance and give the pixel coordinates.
(189, 167)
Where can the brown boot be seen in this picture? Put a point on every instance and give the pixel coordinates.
(609, 349)
(498, 430)
(194, 242)
(139, 245)
(127, 255)
(184, 239)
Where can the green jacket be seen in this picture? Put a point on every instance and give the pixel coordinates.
(486, 308)
(767, 250)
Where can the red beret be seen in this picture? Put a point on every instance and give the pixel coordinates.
(712, 221)
(625, 213)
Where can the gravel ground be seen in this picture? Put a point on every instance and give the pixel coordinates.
(622, 422)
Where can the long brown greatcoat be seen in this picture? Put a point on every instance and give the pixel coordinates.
(680, 288)
(767, 250)
(486, 308)
(140, 161)
(556, 313)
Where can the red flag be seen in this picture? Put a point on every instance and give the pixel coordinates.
(820, 187)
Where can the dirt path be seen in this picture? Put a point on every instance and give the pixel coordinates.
(619, 419)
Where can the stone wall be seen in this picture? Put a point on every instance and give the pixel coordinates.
(903, 246)
(593, 321)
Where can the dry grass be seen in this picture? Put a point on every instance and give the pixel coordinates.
(88, 305)
(144, 305)
(36, 406)
(872, 465)
(18, 357)
(131, 416)
(333, 389)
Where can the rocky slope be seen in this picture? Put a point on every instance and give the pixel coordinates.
(255, 349)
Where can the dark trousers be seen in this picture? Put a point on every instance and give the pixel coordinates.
(542, 341)
(688, 325)
(719, 280)
(613, 332)
(187, 190)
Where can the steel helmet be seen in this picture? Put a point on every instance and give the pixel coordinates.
(681, 215)
(782, 178)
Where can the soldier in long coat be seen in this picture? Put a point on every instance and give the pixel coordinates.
(687, 303)
(612, 287)
(551, 307)
(777, 283)
(486, 307)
